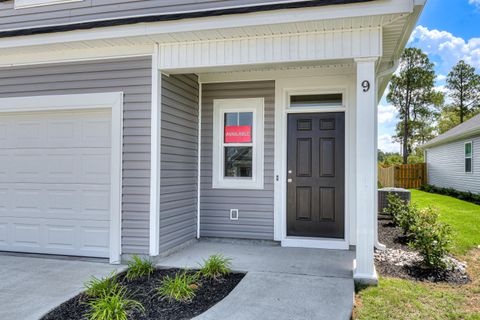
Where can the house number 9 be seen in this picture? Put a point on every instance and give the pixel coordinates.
(366, 86)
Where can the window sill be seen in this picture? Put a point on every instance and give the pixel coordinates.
(23, 4)
(238, 185)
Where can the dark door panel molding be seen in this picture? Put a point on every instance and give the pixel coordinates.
(316, 175)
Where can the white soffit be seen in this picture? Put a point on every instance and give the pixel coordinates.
(343, 33)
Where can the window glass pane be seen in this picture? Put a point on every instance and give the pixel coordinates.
(238, 127)
(245, 119)
(468, 150)
(468, 165)
(231, 118)
(238, 161)
(315, 100)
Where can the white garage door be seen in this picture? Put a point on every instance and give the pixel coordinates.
(55, 182)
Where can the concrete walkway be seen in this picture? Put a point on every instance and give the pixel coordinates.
(281, 283)
(32, 286)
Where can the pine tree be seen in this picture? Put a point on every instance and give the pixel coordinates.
(412, 93)
(464, 90)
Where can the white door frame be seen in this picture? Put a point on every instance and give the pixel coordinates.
(308, 85)
(110, 100)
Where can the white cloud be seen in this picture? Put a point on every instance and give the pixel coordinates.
(386, 143)
(442, 77)
(448, 48)
(386, 113)
(475, 2)
(442, 88)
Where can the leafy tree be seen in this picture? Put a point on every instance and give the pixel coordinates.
(448, 119)
(412, 93)
(464, 90)
(388, 159)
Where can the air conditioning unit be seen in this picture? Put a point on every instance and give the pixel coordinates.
(404, 194)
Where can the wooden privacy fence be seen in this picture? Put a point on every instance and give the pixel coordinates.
(408, 176)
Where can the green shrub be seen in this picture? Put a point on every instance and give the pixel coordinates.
(394, 205)
(138, 267)
(96, 287)
(403, 214)
(113, 306)
(180, 288)
(407, 218)
(466, 196)
(431, 238)
(216, 266)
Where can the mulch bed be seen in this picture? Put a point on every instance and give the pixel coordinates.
(392, 237)
(144, 290)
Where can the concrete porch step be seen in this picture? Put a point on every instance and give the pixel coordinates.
(281, 283)
(281, 296)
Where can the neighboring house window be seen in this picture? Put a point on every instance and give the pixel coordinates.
(19, 4)
(468, 156)
(238, 143)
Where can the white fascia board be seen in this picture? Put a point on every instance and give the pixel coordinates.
(462, 136)
(381, 7)
(31, 56)
(23, 4)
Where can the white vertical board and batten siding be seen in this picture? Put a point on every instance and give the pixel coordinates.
(131, 76)
(255, 206)
(446, 166)
(178, 186)
(308, 46)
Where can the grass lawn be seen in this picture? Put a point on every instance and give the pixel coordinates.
(403, 299)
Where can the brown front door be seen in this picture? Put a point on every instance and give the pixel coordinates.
(316, 171)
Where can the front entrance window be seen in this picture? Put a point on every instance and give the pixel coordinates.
(238, 162)
(238, 144)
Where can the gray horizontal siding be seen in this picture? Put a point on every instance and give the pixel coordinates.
(446, 166)
(255, 206)
(133, 77)
(179, 175)
(104, 9)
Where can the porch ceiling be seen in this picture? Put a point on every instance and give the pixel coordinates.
(391, 28)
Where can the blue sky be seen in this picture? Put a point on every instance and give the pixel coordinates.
(448, 30)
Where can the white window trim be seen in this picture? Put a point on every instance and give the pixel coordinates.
(465, 157)
(108, 100)
(220, 106)
(21, 4)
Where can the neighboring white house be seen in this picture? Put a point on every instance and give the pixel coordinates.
(453, 157)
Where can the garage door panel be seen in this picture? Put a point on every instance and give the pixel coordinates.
(60, 236)
(84, 165)
(56, 201)
(26, 234)
(72, 237)
(96, 132)
(55, 182)
(95, 166)
(95, 238)
(66, 129)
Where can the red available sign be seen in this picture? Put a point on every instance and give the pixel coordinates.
(238, 134)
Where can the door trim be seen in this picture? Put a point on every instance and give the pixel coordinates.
(110, 100)
(283, 90)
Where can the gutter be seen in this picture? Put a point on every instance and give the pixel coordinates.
(174, 16)
(457, 137)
